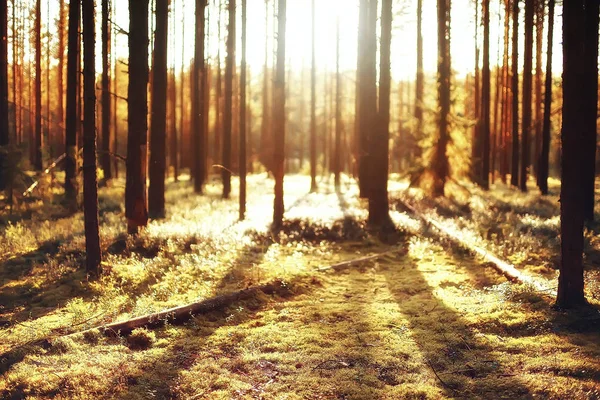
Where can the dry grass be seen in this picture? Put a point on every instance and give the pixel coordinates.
(427, 321)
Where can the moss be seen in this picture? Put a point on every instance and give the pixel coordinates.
(141, 339)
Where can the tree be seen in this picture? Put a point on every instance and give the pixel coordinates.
(485, 99)
(527, 94)
(90, 182)
(591, 92)
(279, 117)
(4, 135)
(73, 61)
(61, 54)
(539, 45)
(105, 158)
(514, 170)
(570, 281)
(37, 152)
(420, 82)
(198, 87)
(243, 150)
(477, 144)
(378, 195)
(337, 164)
(440, 166)
(136, 209)
(313, 101)
(158, 127)
(543, 162)
(227, 120)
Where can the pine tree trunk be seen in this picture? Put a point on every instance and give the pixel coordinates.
(543, 168)
(60, 72)
(105, 158)
(4, 134)
(228, 116)
(313, 100)
(279, 117)
(440, 167)
(173, 142)
(243, 149)
(527, 94)
(136, 209)
(484, 177)
(90, 182)
(198, 86)
(574, 142)
(337, 165)
(539, 42)
(477, 144)
(591, 93)
(419, 86)
(378, 195)
(37, 153)
(71, 188)
(514, 171)
(158, 127)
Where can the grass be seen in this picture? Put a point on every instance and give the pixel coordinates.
(427, 321)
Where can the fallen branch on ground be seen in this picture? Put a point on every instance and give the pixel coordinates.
(356, 262)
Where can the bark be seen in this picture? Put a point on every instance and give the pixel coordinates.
(279, 117)
(61, 54)
(543, 168)
(228, 116)
(440, 167)
(313, 101)
(72, 95)
(243, 149)
(378, 199)
(420, 83)
(337, 165)
(136, 209)
(484, 179)
(4, 135)
(105, 158)
(364, 116)
(527, 94)
(539, 39)
(570, 281)
(37, 145)
(90, 182)
(198, 85)
(591, 93)
(477, 144)
(158, 127)
(514, 171)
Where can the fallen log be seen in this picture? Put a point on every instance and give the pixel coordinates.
(355, 262)
(184, 313)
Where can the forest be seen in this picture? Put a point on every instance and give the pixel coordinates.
(299, 199)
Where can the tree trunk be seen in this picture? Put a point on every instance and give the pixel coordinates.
(484, 178)
(158, 126)
(105, 158)
(514, 171)
(71, 188)
(228, 116)
(378, 195)
(477, 144)
(243, 151)
(136, 209)
(440, 167)
(90, 183)
(279, 117)
(591, 92)
(37, 153)
(575, 106)
(60, 72)
(527, 94)
(419, 85)
(4, 135)
(539, 41)
(198, 86)
(337, 165)
(313, 101)
(543, 168)
(173, 142)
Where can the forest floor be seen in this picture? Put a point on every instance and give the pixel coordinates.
(426, 320)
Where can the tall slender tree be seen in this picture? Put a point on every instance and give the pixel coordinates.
(106, 97)
(279, 117)
(90, 182)
(514, 170)
(441, 167)
(484, 178)
(539, 13)
(243, 148)
(4, 135)
(158, 126)
(136, 207)
(227, 118)
(60, 72)
(573, 135)
(313, 102)
(37, 145)
(543, 162)
(527, 94)
(72, 95)
(198, 87)
(337, 165)
(477, 143)
(420, 82)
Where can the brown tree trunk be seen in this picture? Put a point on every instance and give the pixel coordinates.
(228, 116)
(37, 153)
(484, 177)
(173, 142)
(378, 194)
(337, 165)
(440, 167)
(477, 143)
(198, 86)
(313, 101)
(158, 127)
(71, 188)
(527, 94)
(419, 85)
(279, 117)
(105, 158)
(243, 149)
(574, 142)
(4, 135)
(539, 44)
(60, 72)
(136, 209)
(543, 162)
(514, 171)
(90, 182)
